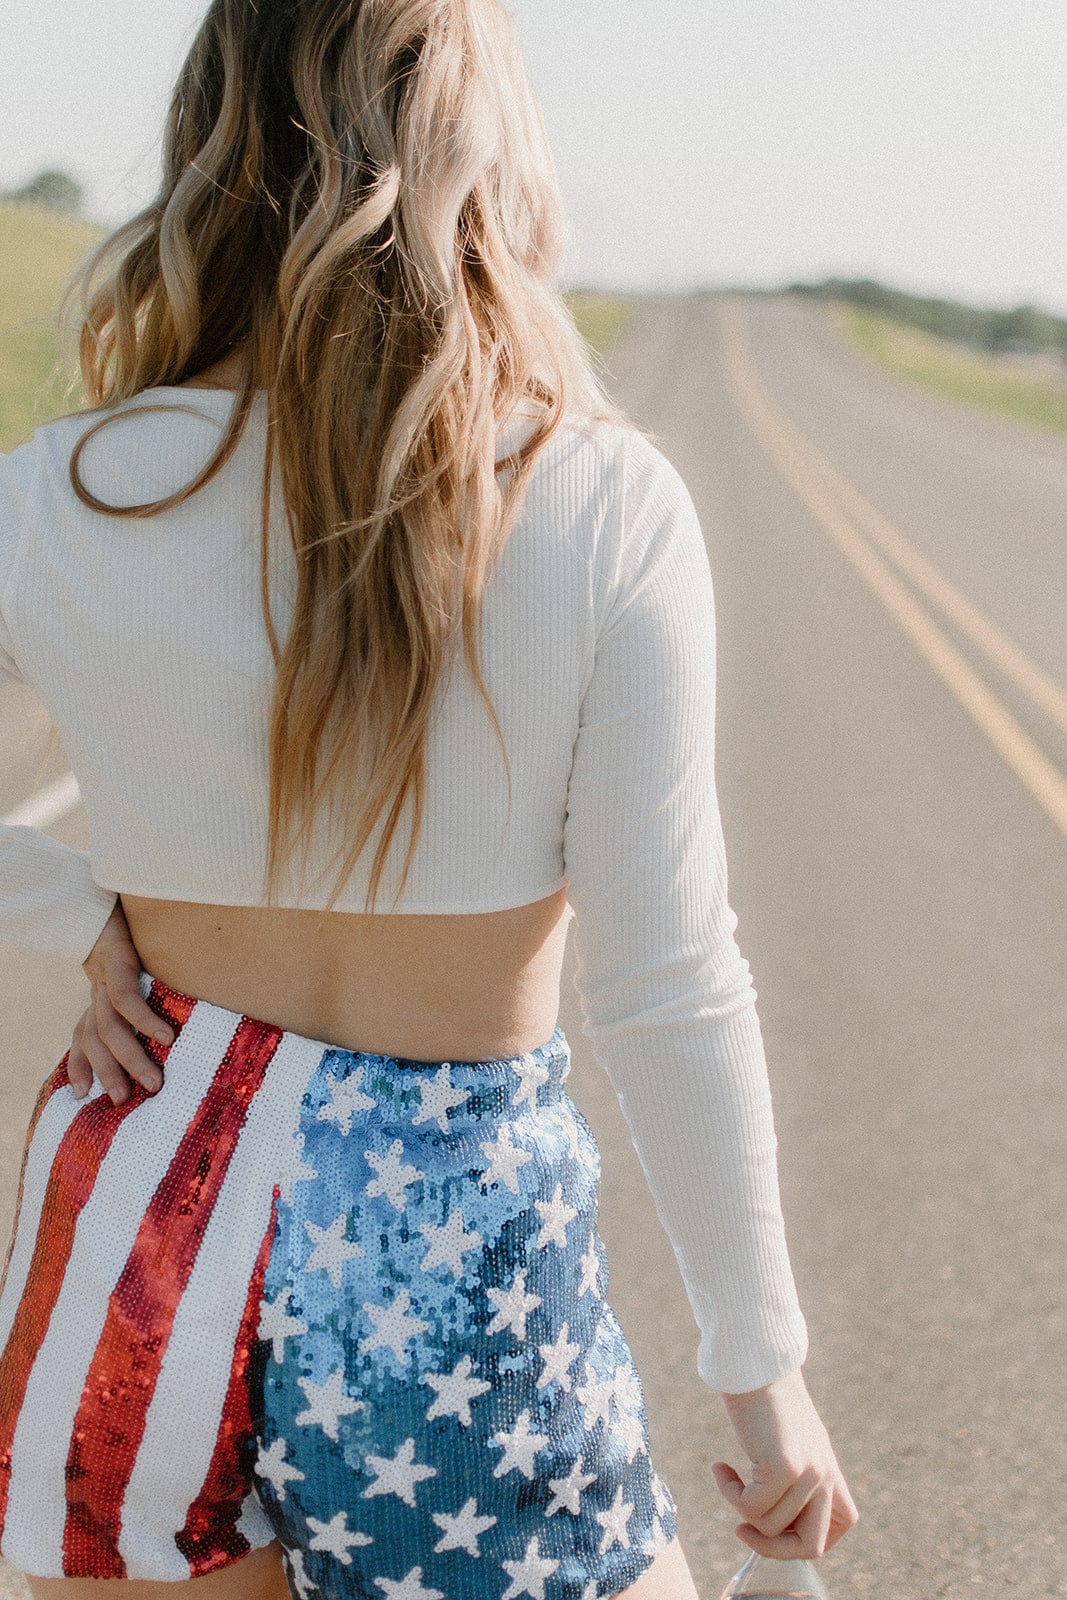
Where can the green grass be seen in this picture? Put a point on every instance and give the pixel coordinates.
(601, 318)
(948, 369)
(39, 249)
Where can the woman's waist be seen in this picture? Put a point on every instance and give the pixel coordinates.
(423, 987)
(229, 1056)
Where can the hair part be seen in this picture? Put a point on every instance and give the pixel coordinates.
(360, 196)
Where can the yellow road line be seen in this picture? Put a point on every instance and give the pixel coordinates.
(810, 475)
(995, 644)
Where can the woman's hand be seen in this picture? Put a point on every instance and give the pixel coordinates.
(104, 1039)
(797, 1503)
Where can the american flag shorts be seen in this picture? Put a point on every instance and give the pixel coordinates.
(351, 1302)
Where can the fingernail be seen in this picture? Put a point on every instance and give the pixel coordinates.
(164, 1035)
(152, 1083)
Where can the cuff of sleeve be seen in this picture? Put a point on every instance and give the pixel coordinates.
(49, 900)
(735, 1371)
(88, 918)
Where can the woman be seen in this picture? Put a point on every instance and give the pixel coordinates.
(305, 1292)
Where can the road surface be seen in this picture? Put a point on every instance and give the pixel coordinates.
(891, 588)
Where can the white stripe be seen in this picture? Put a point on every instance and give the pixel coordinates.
(103, 1236)
(58, 1113)
(50, 804)
(192, 1383)
(253, 1522)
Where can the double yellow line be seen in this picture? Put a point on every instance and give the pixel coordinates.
(857, 527)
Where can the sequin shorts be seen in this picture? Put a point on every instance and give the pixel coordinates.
(351, 1302)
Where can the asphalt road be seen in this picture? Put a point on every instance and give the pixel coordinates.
(891, 588)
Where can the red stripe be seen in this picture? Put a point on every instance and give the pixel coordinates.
(70, 1183)
(56, 1079)
(211, 1537)
(110, 1421)
(172, 1006)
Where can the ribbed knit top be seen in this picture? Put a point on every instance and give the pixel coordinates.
(144, 638)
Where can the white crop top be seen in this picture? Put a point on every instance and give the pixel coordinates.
(144, 639)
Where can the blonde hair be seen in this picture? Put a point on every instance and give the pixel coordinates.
(361, 194)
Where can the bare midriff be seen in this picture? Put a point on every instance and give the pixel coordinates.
(465, 987)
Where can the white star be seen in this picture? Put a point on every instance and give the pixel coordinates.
(393, 1178)
(439, 1094)
(556, 1214)
(595, 1395)
(410, 1587)
(272, 1465)
(332, 1249)
(589, 1592)
(566, 1491)
(513, 1305)
(301, 1582)
(301, 1173)
(398, 1474)
(335, 1537)
(628, 1428)
(660, 1494)
(520, 1447)
(392, 1325)
(613, 1521)
(326, 1403)
(532, 1075)
(450, 1244)
(558, 1357)
(590, 1267)
(455, 1391)
(461, 1529)
(656, 1545)
(625, 1389)
(505, 1159)
(346, 1097)
(528, 1575)
(276, 1324)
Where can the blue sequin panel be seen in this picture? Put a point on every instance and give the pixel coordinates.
(446, 1406)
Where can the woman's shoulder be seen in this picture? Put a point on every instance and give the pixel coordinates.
(615, 450)
(634, 472)
(612, 445)
(132, 450)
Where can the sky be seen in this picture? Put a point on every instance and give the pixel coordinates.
(699, 143)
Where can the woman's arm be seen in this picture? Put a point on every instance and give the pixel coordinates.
(48, 899)
(667, 998)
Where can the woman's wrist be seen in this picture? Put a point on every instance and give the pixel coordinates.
(782, 1385)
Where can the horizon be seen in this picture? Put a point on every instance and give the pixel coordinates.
(695, 154)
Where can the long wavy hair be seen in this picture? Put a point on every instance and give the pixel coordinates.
(358, 196)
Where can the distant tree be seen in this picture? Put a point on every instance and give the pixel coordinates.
(50, 187)
(1024, 328)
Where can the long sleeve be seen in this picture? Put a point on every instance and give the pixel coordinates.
(48, 899)
(666, 996)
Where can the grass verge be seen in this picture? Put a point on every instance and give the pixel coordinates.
(39, 249)
(919, 357)
(601, 318)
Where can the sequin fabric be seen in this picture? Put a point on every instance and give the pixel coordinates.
(349, 1301)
